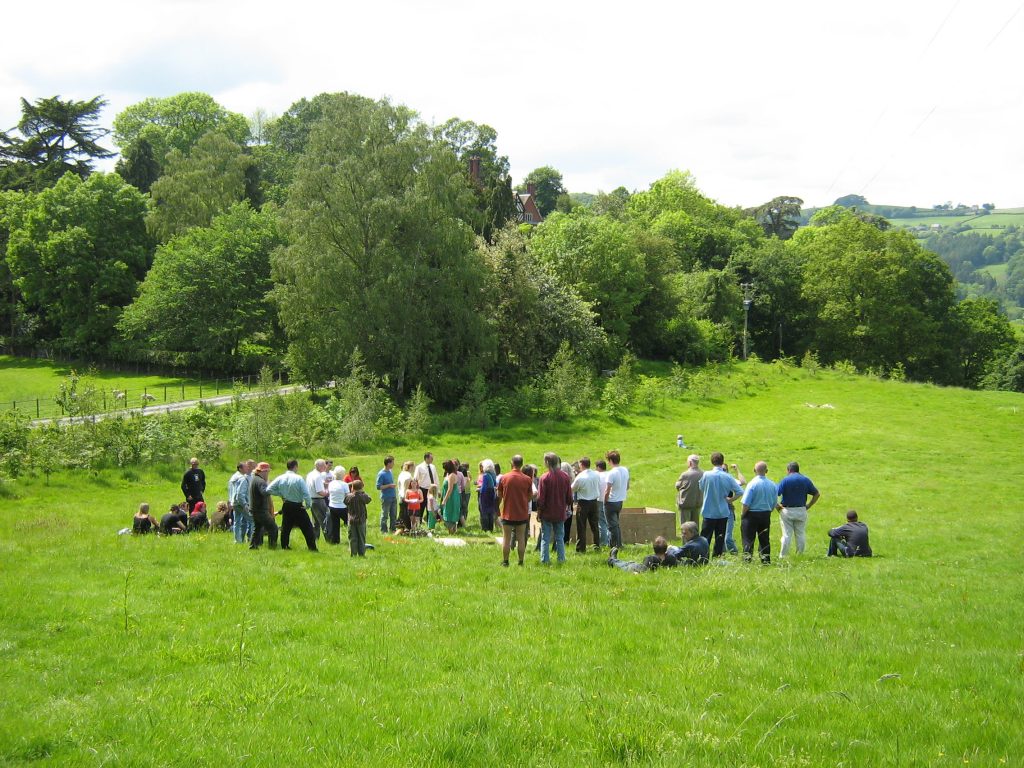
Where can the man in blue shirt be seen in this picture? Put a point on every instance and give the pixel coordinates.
(759, 499)
(292, 488)
(715, 486)
(388, 496)
(795, 490)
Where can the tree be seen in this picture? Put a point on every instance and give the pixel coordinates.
(207, 292)
(197, 187)
(544, 312)
(548, 184)
(851, 201)
(381, 256)
(780, 216)
(57, 137)
(984, 336)
(597, 257)
(177, 122)
(77, 255)
(880, 299)
(17, 324)
(138, 165)
(833, 214)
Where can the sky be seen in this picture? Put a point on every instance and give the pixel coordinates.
(904, 102)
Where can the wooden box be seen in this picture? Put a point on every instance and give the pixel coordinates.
(642, 525)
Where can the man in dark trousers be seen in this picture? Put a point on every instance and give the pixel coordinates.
(193, 484)
(260, 508)
(294, 492)
(850, 540)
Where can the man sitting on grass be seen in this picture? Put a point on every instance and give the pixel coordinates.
(695, 548)
(660, 559)
(850, 540)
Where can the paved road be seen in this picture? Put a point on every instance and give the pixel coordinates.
(151, 410)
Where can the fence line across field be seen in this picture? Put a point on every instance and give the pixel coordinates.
(113, 400)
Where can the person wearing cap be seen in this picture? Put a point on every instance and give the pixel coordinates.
(193, 484)
(260, 507)
(689, 497)
(294, 492)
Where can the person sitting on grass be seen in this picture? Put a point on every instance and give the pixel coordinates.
(695, 548)
(850, 540)
(175, 521)
(221, 519)
(198, 519)
(143, 522)
(660, 559)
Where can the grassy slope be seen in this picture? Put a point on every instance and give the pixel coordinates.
(427, 655)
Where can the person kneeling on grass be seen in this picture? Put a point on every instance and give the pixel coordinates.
(198, 519)
(695, 548)
(850, 540)
(660, 559)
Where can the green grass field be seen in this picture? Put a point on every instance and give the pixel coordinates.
(194, 651)
(993, 222)
(23, 381)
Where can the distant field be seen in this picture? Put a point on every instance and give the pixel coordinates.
(25, 380)
(993, 221)
(998, 271)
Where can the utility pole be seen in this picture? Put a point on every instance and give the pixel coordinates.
(748, 299)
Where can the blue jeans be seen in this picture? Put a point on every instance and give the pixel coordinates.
(244, 525)
(730, 543)
(549, 532)
(602, 524)
(388, 514)
(611, 511)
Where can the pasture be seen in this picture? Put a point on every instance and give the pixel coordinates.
(194, 651)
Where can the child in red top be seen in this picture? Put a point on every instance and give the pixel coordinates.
(414, 501)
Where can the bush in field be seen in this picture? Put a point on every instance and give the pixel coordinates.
(619, 392)
(14, 439)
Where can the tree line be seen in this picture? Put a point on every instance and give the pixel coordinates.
(349, 224)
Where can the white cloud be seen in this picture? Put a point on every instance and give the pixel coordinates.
(910, 102)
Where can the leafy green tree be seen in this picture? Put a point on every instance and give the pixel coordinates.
(780, 216)
(534, 312)
(1007, 372)
(611, 203)
(197, 187)
(207, 293)
(599, 258)
(878, 297)
(17, 323)
(57, 137)
(704, 234)
(77, 256)
(381, 256)
(177, 122)
(984, 336)
(836, 213)
(549, 186)
(851, 201)
(138, 166)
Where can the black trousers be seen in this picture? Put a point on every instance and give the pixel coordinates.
(263, 523)
(293, 515)
(586, 515)
(338, 517)
(756, 524)
(715, 527)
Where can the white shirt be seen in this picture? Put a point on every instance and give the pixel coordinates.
(618, 479)
(337, 491)
(315, 483)
(604, 484)
(423, 475)
(403, 483)
(587, 485)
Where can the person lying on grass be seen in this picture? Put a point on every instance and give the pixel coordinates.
(695, 548)
(660, 559)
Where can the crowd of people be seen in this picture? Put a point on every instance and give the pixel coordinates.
(329, 499)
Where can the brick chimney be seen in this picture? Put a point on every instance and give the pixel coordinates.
(474, 169)
(531, 190)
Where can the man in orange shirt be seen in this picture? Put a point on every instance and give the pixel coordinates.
(514, 492)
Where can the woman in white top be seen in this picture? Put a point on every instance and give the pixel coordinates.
(403, 485)
(336, 493)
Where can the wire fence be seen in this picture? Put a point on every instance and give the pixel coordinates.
(112, 399)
